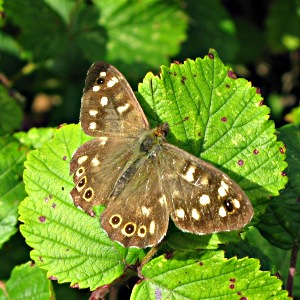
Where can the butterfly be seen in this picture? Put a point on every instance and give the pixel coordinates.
(140, 178)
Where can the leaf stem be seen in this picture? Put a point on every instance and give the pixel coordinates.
(292, 269)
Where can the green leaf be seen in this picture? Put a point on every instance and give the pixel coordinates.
(251, 41)
(28, 282)
(10, 112)
(294, 116)
(145, 32)
(62, 7)
(9, 45)
(245, 249)
(283, 25)
(206, 275)
(210, 26)
(183, 241)
(35, 137)
(280, 225)
(142, 31)
(227, 124)
(67, 242)
(37, 35)
(12, 157)
(90, 38)
(279, 257)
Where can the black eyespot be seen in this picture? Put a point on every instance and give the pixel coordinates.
(129, 228)
(88, 194)
(80, 171)
(81, 183)
(142, 230)
(228, 205)
(100, 80)
(115, 220)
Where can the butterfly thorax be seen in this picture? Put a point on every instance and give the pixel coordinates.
(152, 137)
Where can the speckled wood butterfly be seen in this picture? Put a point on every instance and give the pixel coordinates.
(140, 178)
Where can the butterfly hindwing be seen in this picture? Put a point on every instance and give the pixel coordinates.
(138, 215)
(95, 170)
(201, 199)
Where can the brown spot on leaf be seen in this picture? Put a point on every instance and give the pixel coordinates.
(231, 74)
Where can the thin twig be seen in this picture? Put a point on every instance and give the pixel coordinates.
(292, 269)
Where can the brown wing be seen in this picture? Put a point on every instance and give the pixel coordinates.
(109, 105)
(96, 165)
(201, 199)
(138, 216)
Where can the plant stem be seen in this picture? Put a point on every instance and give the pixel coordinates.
(292, 269)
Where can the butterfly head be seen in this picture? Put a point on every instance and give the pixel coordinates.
(153, 137)
(162, 130)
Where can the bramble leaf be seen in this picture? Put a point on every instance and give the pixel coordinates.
(27, 281)
(227, 122)
(206, 275)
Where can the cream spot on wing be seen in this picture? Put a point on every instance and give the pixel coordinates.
(145, 211)
(112, 82)
(93, 125)
(93, 112)
(203, 179)
(152, 227)
(82, 159)
(195, 214)
(123, 108)
(222, 212)
(103, 140)
(102, 74)
(225, 177)
(204, 200)
(222, 192)
(180, 213)
(96, 88)
(95, 162)
(224, 185)
(162, 200)
(236, 203)
(175, 194)
(78, 206)
(104, 101)
(189, 176)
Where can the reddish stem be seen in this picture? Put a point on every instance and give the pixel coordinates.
(292, 269)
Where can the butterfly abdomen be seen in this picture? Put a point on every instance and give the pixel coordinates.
(149, 144)
(131, 169)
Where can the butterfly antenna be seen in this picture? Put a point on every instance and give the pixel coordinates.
(180, 122)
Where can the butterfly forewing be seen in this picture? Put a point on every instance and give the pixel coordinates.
(109, 105)
(201, 199)
(138, 216)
